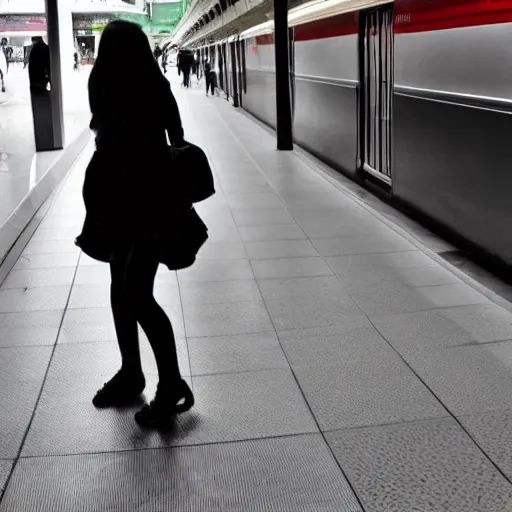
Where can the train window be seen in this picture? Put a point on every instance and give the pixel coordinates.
(377, 89)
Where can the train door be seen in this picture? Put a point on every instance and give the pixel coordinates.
(227, 69)
(220, 63)
(376, 69)
(240, 57)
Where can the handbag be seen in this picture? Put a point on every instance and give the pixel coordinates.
(193, 172)
(178, 245)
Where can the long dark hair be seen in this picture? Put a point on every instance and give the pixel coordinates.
(125, 69)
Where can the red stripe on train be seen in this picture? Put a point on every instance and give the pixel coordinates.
(420, 16)
(335, 26)
(416, 16)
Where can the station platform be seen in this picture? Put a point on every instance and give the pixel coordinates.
(338, 363)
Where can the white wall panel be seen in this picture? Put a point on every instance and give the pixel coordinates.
(474, 60)
(260, 57)
(333, 57)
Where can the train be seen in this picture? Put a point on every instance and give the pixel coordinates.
(413, 95)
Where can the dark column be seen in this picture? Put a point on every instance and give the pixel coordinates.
(234, 71)
(283, 95)
(47, 105)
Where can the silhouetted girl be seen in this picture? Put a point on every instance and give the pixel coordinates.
(124, 197)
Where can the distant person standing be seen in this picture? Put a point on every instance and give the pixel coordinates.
(75, 58)
(26, 55)
(7, 52)
(3, 69)
(39, 66)
(40, 79)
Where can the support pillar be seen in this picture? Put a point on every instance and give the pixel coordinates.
(234, 72)
(283, 92)
(47, 105)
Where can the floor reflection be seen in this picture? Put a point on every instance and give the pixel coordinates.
(20, 167)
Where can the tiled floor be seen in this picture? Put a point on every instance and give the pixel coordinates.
(336, 366)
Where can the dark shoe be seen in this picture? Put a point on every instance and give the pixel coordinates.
(167, 402)
(122, 389)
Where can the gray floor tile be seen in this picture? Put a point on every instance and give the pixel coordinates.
(218, 215)
(233, 188)
(219, 291)
(422, 331)
(39, 278)
(344, 266)
(273, 216)
(93, 274)
(222, 251)
(96, 324)
(29, 328)
(66, 422)
(244, 183)
(333, 345)
(86, 325)
(5, 471)
(87, 261)
(47, 234)
(342, 211)
(314, 312)
(218, 233)
(227, 477)
(51, 247)
(218, 270)
(249, 405)
(240, 353)
(423, 466)
(280, 249)
(309, 203)
(61, 221)
(34, 299)
(226, 319)
(449, 295)
(22, 371)
(361, 245)
(368, 273)
(428, 276)
(255, 201)
(312, 287)
(484, 323)
(491, 431)
(34, 261)
(98, 295)
(391, 299)
(366, 393)
(360, 226)
(100, 274)
(469, 379)
(290, 267)
(273, 232)
(175, 314)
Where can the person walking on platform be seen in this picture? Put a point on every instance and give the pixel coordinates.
(128, 209)
(157, 52)
(210, 78)
(164, 61)
(185, 63)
